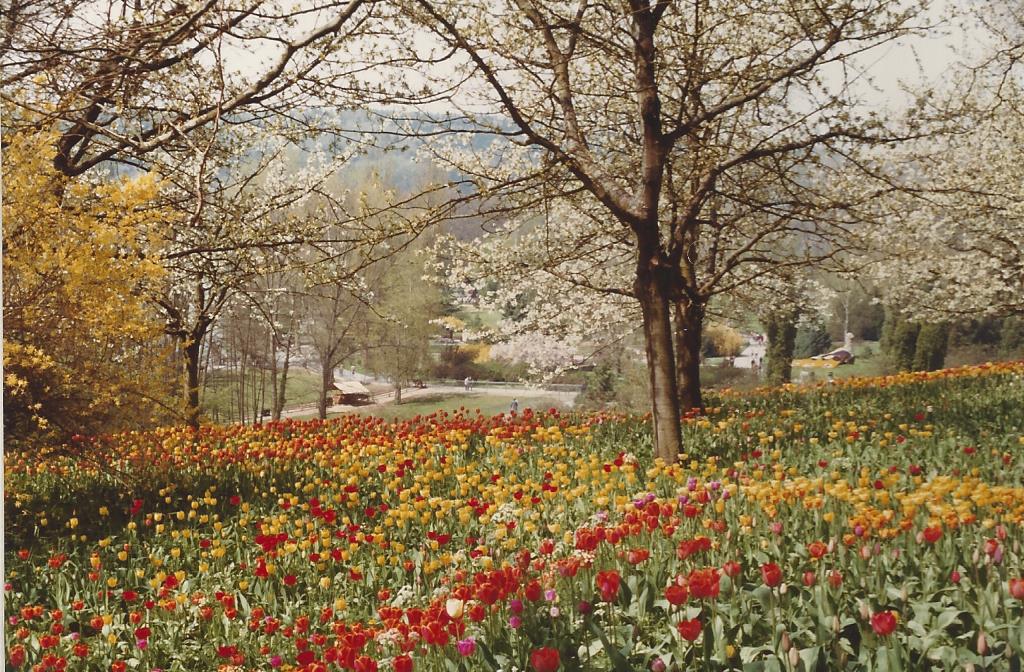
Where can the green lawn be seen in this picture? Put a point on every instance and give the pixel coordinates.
(474, 318)
(487, 404)
(868, 362)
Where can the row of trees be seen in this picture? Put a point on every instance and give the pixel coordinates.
(723, 175)
(128, 298)
(280, 325)
(651, 160)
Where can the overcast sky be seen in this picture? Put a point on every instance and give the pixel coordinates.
(923, 61)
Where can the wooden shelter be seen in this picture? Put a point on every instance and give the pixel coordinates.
(349, 393)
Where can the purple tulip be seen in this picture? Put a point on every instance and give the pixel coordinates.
(467, 647)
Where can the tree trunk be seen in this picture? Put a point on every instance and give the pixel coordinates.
(688, 326)
(651, 289)
(259, 388)
(781, 333)
(274, 413)
(846, 321)
(204, 374)
(191, 351)
(280, 397)
(243, 368)
(326, 378)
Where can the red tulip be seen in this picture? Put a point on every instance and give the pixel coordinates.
(688, 547)
(817, 549)
(637, 555)
(932, 534)
(884, 623)
(689, 630)
(365, 664)
(608, 584)
(402, 664)
(545, 659)
(704, 583)
(771, 574)
(1017, 588)
(732, 569)
(487, 593)
(810, 578)
(676, 594)
(477, 613)
(17, 655)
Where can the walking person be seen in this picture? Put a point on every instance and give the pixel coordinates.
(468, 383)
(514, 406)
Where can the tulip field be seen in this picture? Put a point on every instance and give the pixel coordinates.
(867, 524)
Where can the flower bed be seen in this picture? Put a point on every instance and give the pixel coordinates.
(871, 525)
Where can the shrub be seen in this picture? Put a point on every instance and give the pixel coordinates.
(719, 340)
(930, 348)
(904, 344)
(1011, 336)
(781, 332)
(812, 339)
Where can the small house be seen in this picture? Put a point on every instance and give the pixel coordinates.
(349, 393)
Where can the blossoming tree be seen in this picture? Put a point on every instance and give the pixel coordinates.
(648, 113)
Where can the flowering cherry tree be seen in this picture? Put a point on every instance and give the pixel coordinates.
(685, 128)
(957, 250)
(124, 80)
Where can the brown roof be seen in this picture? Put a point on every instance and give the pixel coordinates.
(351, 387)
